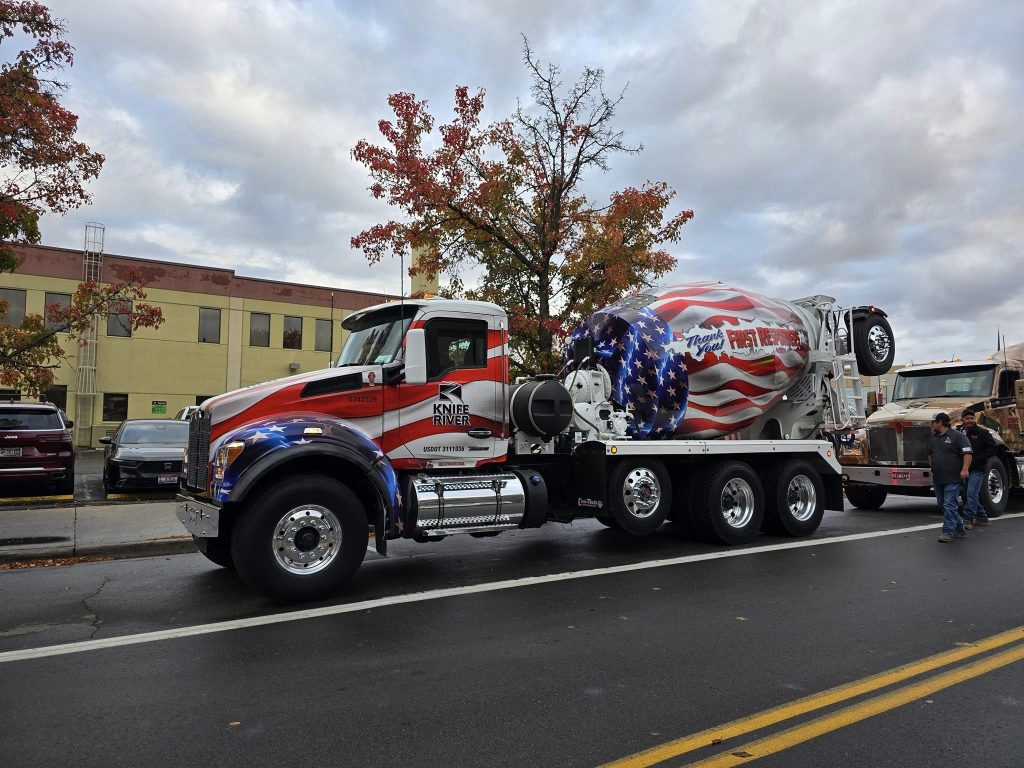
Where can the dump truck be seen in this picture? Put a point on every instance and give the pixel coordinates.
(418, 432)
(891, 457)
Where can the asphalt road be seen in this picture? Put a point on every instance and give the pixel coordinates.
(558, 671)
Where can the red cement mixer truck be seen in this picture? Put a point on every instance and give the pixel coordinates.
(701, 404)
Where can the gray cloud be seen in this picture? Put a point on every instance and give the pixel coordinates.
(865, 149)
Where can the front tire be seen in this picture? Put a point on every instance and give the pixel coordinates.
(995, 488)
(301, 539)
(794, 499)
(639, 496)
(727, 503)
(869, 497)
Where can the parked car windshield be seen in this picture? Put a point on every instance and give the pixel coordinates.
(28, 418)
(376, 339)
(171, 432)
(956, 382)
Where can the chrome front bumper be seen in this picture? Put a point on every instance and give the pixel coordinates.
(199, 519)
(898, 477)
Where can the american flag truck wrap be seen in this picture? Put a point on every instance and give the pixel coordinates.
(701, 404)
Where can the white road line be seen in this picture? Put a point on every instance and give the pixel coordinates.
(438, 594)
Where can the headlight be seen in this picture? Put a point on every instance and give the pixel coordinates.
(226, 454)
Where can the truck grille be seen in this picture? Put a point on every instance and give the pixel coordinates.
(915, 445)
(198, 451)
(160, 467)
(884, 444)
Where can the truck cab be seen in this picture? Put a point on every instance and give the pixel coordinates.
(893, 457)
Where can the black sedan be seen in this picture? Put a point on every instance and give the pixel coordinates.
(144, 453)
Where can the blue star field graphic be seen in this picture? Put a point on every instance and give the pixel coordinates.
(292, 430)
(648, 379)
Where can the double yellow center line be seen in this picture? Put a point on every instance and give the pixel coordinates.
(841, 718)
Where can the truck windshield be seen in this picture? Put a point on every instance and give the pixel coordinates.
(376, 339)
(956, 382)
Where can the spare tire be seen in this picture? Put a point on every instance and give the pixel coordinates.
(874, 344)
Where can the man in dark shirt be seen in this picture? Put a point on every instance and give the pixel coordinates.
(950, 454)
(983, 447)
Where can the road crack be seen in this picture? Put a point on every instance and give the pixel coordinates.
(96, 620)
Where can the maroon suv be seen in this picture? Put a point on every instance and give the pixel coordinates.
(35, 445)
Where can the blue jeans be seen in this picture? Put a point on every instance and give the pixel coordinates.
(947, 495)
(973, 507)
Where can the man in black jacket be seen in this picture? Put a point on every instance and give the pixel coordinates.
(983, 447)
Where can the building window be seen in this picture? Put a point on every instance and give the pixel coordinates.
(119, 320)
(200, 399)
(62, 301)
(292, 332)
(209, 325)
(15, 299)
(58, 395)
(115, 406)
(259, 330)
(324, 335)
(9, 395)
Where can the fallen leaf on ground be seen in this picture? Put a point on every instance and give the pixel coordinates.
(233, 723)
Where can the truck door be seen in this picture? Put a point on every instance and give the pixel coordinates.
(456, 418)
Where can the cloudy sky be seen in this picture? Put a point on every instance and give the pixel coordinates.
(868, 150)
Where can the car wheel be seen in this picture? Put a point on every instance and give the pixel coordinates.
(794, 499)
(301, 539)
(995, 489)
(727, 503)
(639, 495)
(868, 497)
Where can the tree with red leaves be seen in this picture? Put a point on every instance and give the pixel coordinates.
(503, 200)
(43, 167)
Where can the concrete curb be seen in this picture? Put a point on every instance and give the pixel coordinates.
(171, 546)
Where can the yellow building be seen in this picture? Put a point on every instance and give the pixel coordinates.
(221, 331)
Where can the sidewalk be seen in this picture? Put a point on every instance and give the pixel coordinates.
(77, 530)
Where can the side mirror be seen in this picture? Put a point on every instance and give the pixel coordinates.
(415, 356)
(106, 440)
(69, 423)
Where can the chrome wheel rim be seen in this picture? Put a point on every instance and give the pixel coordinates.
(995, 486)
(737, 503)
(879, 343)
(306, 539)
(801, 498)
(641, 492)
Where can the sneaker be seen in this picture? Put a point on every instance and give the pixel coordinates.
(980, 521)
(968, 525)
(945, 538)
(960, 535)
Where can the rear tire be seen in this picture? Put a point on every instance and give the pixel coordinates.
(639, 495)
(301, 539)
(794, 499)
(65, 487)
(727, 503)
(995, 488)
(868, 497)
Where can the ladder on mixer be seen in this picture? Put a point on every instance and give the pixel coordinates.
(847, 401)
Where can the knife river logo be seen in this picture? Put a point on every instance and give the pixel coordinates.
(449, 410)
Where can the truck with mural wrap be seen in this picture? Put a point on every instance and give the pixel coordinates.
(701, 404)
(891, 456)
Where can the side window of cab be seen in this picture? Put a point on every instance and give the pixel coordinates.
(454, 344)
